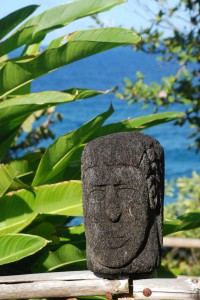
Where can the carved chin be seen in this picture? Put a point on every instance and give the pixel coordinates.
(119, 259)
(116, 255)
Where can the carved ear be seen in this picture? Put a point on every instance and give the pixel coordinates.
(153, 192)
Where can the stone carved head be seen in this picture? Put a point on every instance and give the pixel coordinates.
(123, 190)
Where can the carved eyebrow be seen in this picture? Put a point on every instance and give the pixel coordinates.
(97, 188)
(99, 185)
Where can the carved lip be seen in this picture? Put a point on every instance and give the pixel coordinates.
(116, 241)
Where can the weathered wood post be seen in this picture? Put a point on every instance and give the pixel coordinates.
(123, 191)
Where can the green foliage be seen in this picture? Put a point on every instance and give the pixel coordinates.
(186, 209)
(18, 246)
(179, 45)
(188, 195)
(41, 191)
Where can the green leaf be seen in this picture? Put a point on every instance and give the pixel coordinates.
(16, 213)
(184, 222)
(45, 230)
(63, 198)
(37, 27)
(84, 93)
(72, 170)
(6, 142)
(176, 49)
(10, 179)
(21, 207)
(15, 111)
(170, 226)
(26, 166)
(56, 157)
(163, 272)
(138, 124)
(79, 45)
(17, 246)
(189, 221)
(68, 257)
(12, 20)
(74, 235)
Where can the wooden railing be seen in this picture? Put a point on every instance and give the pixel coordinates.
(85, 283)
(181, 242)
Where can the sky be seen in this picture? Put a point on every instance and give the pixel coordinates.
(121, 15)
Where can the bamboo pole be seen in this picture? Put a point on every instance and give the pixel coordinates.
(181, 242)
(182, 288)
(60, 284)
(54, 276)
(172, 289)
(85, 283)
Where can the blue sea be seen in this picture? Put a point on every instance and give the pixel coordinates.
(103, 72)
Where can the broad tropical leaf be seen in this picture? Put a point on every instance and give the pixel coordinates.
(64, 198)
(79, 45)
(45, 230)
(138, 124)
(68, 257)
(73, 167)
(184, 222)
(74, 235)
(35, 29)
(17, 246)
(26, 166)
(20, 208)
(10, 179)
(15, 111)
(163, 272)
(6, 142)
(12, 20)
(56, 157)
(16, 213)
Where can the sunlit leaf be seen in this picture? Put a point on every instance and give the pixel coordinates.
(64, 198)
(15, 111)
(73, 169)
(185, 222)
(79, 45)
(138, 124)
(10, 179)
(37, 27)
(15, 18)
(67, 257)
(16, 213)
(56, 157)
(17, 246)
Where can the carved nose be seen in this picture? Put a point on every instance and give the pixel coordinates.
(113, 210)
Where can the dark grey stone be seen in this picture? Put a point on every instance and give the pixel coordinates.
(123, 191)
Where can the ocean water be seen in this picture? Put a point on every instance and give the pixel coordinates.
(103, 72)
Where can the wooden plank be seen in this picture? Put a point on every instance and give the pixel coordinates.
(181, 242)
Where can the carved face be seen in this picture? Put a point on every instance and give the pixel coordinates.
(116, 213)
(123, 185)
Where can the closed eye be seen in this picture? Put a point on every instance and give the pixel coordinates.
(96, 195)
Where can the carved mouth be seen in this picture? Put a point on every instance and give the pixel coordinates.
(115, 242)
